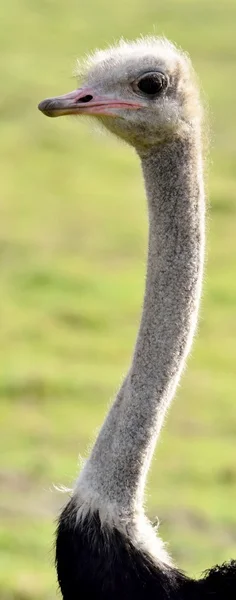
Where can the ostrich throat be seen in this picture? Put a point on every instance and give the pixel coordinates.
(113, 478)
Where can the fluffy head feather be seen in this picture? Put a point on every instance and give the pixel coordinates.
(114, 70)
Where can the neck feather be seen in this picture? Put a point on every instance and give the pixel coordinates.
(114, 475)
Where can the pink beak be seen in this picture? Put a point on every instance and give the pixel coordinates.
(83, 101)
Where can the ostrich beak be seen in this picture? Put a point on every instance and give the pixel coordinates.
(84, 101)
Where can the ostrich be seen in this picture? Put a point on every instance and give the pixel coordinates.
(144, 92)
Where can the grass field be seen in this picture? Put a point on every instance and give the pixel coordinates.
(72, 254)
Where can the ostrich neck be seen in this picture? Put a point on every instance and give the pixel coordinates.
(116, 470)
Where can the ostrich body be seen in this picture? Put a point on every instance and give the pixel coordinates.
(145, 93)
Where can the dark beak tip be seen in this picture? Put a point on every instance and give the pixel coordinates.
(41, 105)
(44, 107)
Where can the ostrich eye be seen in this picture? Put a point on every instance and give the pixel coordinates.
(151, 83)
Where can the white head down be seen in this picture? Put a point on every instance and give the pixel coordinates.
(143, 91)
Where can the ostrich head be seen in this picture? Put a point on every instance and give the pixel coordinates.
(143, 91)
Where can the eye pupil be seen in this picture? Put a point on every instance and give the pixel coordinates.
(151, 84)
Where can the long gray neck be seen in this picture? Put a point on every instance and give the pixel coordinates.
(115, 473)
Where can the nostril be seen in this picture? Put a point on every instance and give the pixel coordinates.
(85, 98)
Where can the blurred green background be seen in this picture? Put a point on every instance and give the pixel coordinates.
(72, 253)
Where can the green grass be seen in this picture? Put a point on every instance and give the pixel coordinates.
(72, 238)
